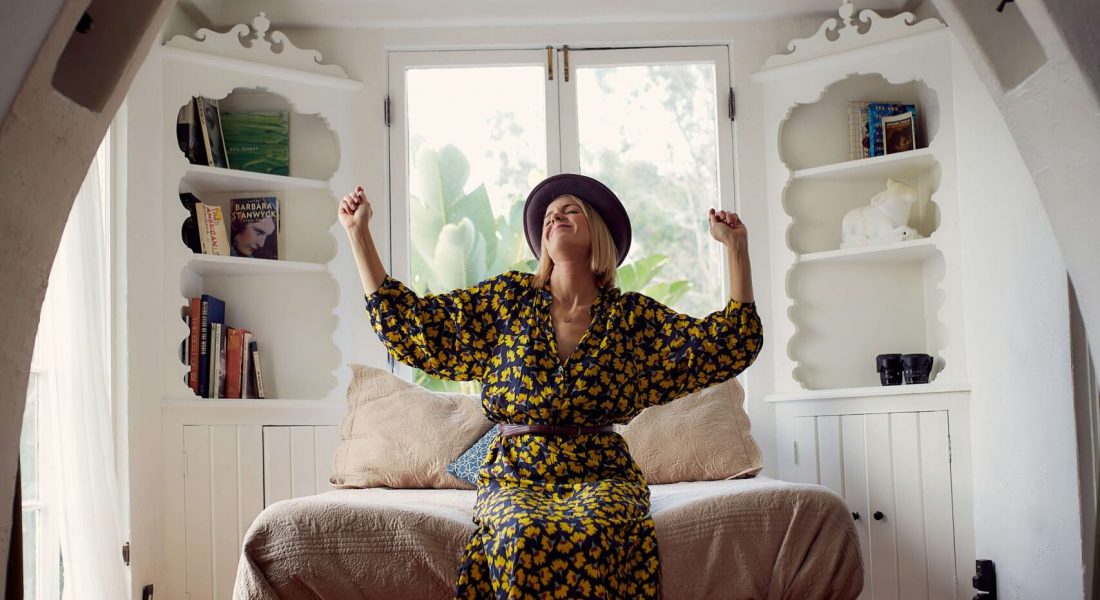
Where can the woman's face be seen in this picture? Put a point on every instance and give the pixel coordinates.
(565, 232)
(254, 236)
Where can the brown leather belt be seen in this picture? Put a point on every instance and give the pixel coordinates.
(566, 430)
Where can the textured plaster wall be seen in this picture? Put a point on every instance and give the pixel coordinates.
(1018, 352)
(46, 144)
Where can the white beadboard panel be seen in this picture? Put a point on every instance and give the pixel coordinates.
(297, 460)
(884, 554)
(223, 507)
(250, 465)
(276, 465)
(199, 580)
(223, 494)
(854, 450)
(938, 518)
(909, 509)
(303, 462)
(829, 459)
(326, 440)
(805, 436)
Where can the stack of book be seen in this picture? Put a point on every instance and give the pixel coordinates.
(224, 361)
(880, 128)
(254, 228)
(257, 141)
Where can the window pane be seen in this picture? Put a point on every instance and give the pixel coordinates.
(30, 554)
(650, 133)
(28, 443)
(477, 145)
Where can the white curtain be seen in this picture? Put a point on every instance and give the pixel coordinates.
(76, 431)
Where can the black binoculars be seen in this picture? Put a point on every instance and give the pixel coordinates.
(910, 368)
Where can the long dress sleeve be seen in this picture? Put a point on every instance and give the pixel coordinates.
(449, 335)
(682, 354)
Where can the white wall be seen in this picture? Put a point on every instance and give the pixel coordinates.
(1025, 489)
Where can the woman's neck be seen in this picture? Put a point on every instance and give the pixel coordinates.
(572, 283)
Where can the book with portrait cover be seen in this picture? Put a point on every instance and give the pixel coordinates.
(258, 141)
(875, 112)
(210, 124)
(254, 227)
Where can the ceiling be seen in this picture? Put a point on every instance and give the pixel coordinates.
(418, 13)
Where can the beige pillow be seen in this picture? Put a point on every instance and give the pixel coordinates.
(398, 434)
(702, 436)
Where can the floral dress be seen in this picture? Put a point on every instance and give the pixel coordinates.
(562, 517)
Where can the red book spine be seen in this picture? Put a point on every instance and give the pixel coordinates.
(196, 334)
(233, 364)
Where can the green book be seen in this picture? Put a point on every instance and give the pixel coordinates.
(258, 141)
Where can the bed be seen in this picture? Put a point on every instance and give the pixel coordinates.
(398, 526)
(743, 538)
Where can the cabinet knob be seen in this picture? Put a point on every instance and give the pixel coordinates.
(855, 516)
(879, 516)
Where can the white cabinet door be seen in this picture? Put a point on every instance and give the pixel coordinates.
(894, 472)
(297, 460)
(223, 485)
(231, 473)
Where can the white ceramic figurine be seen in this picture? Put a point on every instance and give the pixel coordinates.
(885, 220)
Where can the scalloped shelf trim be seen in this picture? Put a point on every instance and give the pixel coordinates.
(839, 35)
(254, 43)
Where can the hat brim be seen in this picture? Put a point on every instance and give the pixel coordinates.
(596, 194)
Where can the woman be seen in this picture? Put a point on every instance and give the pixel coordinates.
(562, 509)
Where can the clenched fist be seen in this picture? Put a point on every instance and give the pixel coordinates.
(355, 210)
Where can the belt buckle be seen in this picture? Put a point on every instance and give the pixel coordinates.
(576, 429)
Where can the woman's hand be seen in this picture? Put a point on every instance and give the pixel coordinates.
(355, 210)
(726, 227)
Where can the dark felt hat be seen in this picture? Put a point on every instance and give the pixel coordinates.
(596, 194)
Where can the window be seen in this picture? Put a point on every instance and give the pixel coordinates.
(40, 464)
(474, 131)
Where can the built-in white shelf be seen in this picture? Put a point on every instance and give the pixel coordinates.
(200, 178)
(934, 387)
(911, 250)
(211, 264)
(902, 164)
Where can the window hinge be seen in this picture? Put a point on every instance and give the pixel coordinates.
(565, 68)
(126, 553)
(550, 63)
(733, 105)
(796, 453)
(386, 111)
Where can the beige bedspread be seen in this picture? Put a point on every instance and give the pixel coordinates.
(746, 538)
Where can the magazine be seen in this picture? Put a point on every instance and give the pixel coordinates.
(898, 133)
(254, 227)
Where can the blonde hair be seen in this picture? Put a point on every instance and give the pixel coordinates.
(605, 256)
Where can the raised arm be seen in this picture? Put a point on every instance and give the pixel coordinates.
(355, 213)
(446, 335)
(685, 354)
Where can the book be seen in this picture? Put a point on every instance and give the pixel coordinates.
(219, 381)
(258, 141)
(214, 360)
(898, 133)
(210, 123)
(212, 234)
(875, 112)
(256, 372)
(858, 134)
(254, 227)
(233, 352)
(189, 232)
(247, 388)
(213, 311)
(189, 134)
(193, 360)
